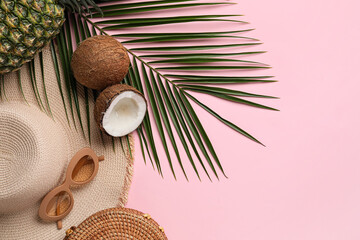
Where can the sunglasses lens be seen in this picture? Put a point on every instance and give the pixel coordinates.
(59, 204)
(83, 170)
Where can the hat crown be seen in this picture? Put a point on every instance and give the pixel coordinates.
(33, 155)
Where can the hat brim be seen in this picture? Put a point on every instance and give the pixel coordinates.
(111, 185)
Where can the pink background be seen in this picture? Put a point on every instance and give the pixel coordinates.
(305, 184)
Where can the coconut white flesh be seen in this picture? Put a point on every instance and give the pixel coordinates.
(124, 114)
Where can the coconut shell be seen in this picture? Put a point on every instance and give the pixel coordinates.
(99, 62)
(105, 99)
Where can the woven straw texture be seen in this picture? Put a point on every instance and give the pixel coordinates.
(119, 224)
(108, 189)
(33, 149)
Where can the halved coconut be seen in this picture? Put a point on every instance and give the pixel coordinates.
(119, 110)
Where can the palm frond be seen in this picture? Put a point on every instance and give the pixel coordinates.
(167, 66)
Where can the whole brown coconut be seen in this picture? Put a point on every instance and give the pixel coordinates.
(119, 110)
(99, 62)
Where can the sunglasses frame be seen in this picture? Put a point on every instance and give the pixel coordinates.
(65, 186)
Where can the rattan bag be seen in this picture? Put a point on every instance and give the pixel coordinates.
(119, 224)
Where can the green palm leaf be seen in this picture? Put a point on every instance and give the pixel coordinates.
(117, 12)
(191, 48)
(166, 73)
(183, 78)
(194, 60)
(198, 55)
(167, 34)
(222, 90)
(138, 4)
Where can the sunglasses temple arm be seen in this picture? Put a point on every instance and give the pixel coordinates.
(59, 224)
(101, 158)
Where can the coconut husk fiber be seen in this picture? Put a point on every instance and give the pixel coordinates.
(99, 62)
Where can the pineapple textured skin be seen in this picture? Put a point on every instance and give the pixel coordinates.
(26, 26)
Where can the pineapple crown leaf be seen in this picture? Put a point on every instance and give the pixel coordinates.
(80, 6)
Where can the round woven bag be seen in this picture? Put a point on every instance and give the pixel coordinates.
(117, 223)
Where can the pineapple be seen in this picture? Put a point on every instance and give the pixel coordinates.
(26, 26)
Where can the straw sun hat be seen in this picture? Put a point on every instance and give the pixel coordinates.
(35, 150)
